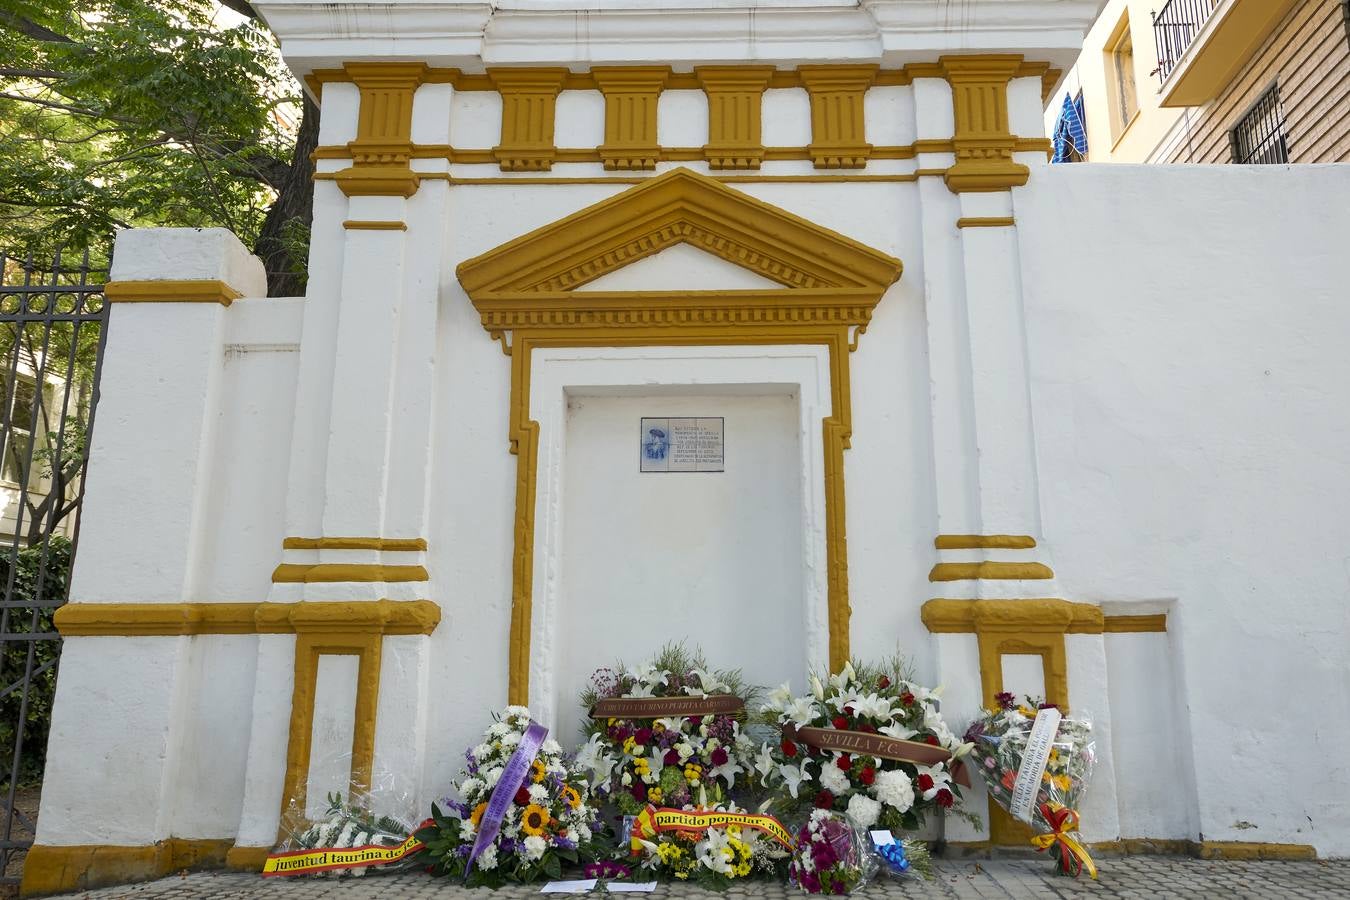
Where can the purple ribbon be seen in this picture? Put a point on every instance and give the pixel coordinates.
(505, 790)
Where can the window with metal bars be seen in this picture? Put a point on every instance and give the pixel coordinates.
(1258, 138)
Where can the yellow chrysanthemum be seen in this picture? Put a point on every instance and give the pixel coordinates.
(656, 795)
(535, 820)
(1063, 782)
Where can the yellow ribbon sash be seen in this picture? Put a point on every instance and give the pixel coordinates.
(1073, 856)
(652, 821)
(307, 862)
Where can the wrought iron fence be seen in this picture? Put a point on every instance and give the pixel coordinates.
(52, 320)
(1175, 27)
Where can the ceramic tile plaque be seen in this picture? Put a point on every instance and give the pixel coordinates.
(682, 444)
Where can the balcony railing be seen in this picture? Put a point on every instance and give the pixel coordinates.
(1175, 27)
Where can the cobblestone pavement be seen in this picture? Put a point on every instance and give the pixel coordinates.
(1128, 877)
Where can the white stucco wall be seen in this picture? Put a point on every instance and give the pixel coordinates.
(1187, 329)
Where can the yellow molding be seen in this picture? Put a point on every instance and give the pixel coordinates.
(58, 869)
(383, 144)
(353, 543)
(1245, 850)
(247, 859)
(983, 142)
(297, 573)
(374, 225)
(309, 647)
(734, 100)
(985, 222)
(526, 287)
(188, 291)
(997, 571)
(1176, 847)
(838, 130)
(169, 619)
(1135, 624)
(529, 98)
(984, 542)
(631, 97)
(1045, 615)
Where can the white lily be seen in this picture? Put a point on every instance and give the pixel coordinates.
(595, 761)
(727, 770)
(846, 676)
(817, 688)
(711, 853)
(708, 683)
(778, 698)
(872, 706)
(802, 711)
(897, 731)
(764, 763)
(793, 776)
(845, 696)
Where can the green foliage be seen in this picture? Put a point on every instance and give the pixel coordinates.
(142, 112)
(40, 576)
(440, 854)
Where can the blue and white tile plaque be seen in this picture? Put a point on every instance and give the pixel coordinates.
(682, 444)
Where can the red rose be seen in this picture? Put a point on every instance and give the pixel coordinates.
(930, 739)
(883, 682)
(925, 782)
(789, 749)
(945, 798)
(840, 722)
(523, 797)
(848, 709)
(907, 698)
(639, 791)
(824, 800)
(844, 762)
(643, 736)
(671, 758)
(719, 756)
(868, 775)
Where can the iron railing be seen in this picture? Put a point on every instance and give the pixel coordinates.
(52, 330)
(1258, 138)
(1175, 28)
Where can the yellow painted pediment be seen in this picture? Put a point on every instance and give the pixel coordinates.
(816, 274)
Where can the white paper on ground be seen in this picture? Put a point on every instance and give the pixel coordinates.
(882, 838)
(630, 887)
(580, 886)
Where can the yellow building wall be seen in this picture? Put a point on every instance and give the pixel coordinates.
(1094, 74)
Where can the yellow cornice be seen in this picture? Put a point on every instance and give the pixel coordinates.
(169, 619)
(985, 222)
(353, 543)
(996, 571)
(191, 291)
(319, 573)
(1136, 624)
(374, 225)
(984, 542)
(1050, 616)
(383, 144)
(378, 181)
(983, 142)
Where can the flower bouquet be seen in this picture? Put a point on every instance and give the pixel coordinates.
(348, 839)
(663, 733)
(711, 845)
(523, 811)
(869, 743)
(1036, 762)
(829, 857)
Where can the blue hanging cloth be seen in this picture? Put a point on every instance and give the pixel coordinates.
(1070, 137)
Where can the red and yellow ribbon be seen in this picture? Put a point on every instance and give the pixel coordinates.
(652, 821)
(1073, 856)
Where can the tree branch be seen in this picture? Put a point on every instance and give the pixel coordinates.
(32, 29)
(11, 72)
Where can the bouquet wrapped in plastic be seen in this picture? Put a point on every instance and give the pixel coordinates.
(713, 845)
(1037, 761)
(525, 812)
(831, 856)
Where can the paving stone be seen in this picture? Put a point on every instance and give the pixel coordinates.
(1122, 878)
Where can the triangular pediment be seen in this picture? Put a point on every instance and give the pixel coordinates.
(682, 266)
(678, 207)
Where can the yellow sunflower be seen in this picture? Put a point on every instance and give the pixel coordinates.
(535, 820)
(477, 815)
(570, 795)
(537, 771)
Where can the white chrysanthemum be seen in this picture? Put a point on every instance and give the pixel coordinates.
(481, 752)
(539, 794)
(517, 712)
(497, 729)
(492, 775)
(470, 787)
(833, 779)
(488, 858)
(534, 847)
(863, 811)
(510, 740)
(894, 789)
(551, 747)
(583, 833)
(466, 830)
